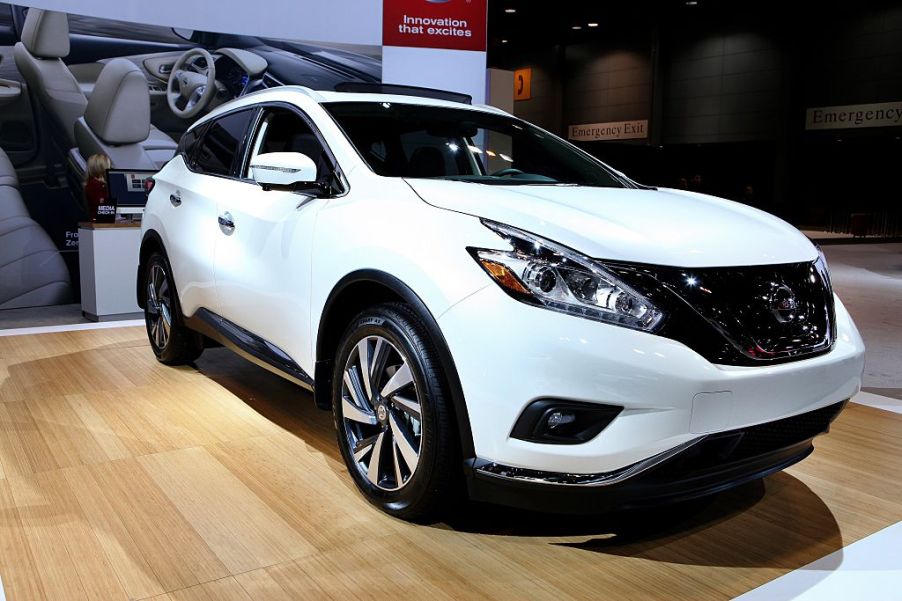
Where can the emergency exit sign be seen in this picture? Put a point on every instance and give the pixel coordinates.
(615, 130)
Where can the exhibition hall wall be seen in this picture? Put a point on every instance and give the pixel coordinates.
(318, 45)
(731, 94)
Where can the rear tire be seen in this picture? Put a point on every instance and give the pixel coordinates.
(172, 342)
(401, 418)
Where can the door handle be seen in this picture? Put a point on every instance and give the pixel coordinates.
(226, 224)
(175, 199)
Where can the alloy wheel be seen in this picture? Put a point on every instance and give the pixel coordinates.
(159, 306)
(380, 406)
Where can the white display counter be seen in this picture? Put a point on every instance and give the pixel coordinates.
(108, 262)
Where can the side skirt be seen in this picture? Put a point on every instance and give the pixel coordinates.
(249, 346)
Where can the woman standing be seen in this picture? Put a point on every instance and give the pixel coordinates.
(96, 190)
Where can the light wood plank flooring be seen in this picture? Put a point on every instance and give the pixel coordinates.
(124, 479)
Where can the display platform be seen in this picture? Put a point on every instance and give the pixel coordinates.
(121, 478)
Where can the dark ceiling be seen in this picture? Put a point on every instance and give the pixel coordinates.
(518, 25)
(537, 25)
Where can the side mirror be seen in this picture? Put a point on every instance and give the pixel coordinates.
(283, 169)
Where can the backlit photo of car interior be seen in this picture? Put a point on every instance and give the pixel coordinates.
(458, 299)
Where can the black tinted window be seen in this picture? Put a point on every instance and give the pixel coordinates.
(222, 143)
(407, 140)
(283, 130)
(188, 144)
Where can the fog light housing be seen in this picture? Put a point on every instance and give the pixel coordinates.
(556, 421)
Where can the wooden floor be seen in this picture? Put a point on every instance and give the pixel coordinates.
(124, 479)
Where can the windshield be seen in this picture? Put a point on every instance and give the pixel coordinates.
(405, 140)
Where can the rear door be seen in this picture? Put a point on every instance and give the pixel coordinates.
(194, 192)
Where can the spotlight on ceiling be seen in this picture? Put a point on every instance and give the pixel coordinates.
(691, 2)
(592, 24)
(504, 41)
(577, 27)
(510, 11)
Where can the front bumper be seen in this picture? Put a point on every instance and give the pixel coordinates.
(703, 466)
(509, 354)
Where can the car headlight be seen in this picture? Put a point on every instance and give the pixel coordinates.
(540, 272)
(821, 265)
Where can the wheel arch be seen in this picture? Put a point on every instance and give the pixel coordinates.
(364, 288)
(150, 242)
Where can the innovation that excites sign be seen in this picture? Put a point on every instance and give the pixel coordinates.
(448, 24)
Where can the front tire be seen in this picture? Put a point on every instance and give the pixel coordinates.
(172, 342)
(392, 411)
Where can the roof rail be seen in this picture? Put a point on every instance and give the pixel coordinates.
(494, 109)
(308, 91)
(390, 88)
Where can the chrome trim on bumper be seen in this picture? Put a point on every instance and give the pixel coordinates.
(518, 474)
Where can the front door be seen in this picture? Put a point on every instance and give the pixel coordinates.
(263, 258)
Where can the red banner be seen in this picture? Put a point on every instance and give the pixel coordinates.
(452, 24)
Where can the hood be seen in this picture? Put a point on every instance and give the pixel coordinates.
(660, 227)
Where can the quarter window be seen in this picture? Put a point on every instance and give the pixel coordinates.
(188, 144)
(222, 143)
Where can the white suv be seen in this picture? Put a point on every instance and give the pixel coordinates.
(487, 309)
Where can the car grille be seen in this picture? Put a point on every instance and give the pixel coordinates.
(764, 438)
(753, 315)
(724, 449)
